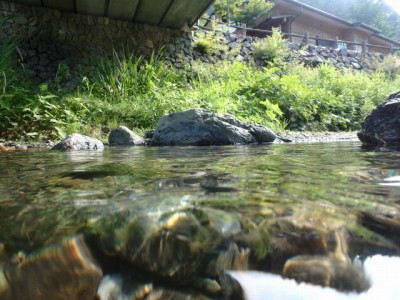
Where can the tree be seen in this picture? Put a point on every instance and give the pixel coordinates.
(240, 11)
(377, 14)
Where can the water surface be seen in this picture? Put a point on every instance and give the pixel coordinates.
(46, 195)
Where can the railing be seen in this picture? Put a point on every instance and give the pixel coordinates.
(364, 47)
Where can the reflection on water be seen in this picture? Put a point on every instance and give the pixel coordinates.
(47, 196)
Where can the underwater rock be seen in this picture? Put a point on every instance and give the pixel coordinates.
(67, 271)
(290, 238)
(189, 247)
(182, 253)
(385, 225)
(123, 136)
(77, 141)
(326, 271)
(117, 287)
(175, 245)
(313, 253)
(185, 245)
(200, 127)
(381, 126)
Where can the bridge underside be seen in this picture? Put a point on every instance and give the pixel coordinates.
(177, 14)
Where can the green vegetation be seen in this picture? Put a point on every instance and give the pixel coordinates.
(240, 11)
(209, 43)
(136, 92)
(272, 49)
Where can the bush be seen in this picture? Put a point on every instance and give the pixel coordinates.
(208, 43)
(271, 49)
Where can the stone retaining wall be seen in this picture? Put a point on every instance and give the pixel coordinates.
(49, 37)
(240, 48)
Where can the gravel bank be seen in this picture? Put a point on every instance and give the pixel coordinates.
(283, 137)
(316, 137)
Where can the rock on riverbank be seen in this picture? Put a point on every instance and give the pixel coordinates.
(381, 126)
(201, 127)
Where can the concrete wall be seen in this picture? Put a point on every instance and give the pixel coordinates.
(49, 37)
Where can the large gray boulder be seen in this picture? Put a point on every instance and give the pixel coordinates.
(382, 125)
(200, 127)
(77, 141)
(123, 136)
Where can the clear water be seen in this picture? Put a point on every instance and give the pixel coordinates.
(46, 195)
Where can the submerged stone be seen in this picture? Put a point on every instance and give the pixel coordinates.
(117, 287)
(326, 271)
(309, 252)
(67, 271)
(173, 245)
(384, 224)
(182, 253)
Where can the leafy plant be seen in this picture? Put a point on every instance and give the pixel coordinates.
(208, 43)
(271, 49)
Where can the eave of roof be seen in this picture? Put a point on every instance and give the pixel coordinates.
(176, 14)
(385, 38)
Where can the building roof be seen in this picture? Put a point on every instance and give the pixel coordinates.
(175, 14)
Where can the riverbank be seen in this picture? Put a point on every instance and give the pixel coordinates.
(316, 137)
(283, 137)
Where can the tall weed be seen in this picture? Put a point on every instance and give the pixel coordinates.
(124, 75)
(131, 90)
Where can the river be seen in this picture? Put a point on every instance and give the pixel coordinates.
(47, 196)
